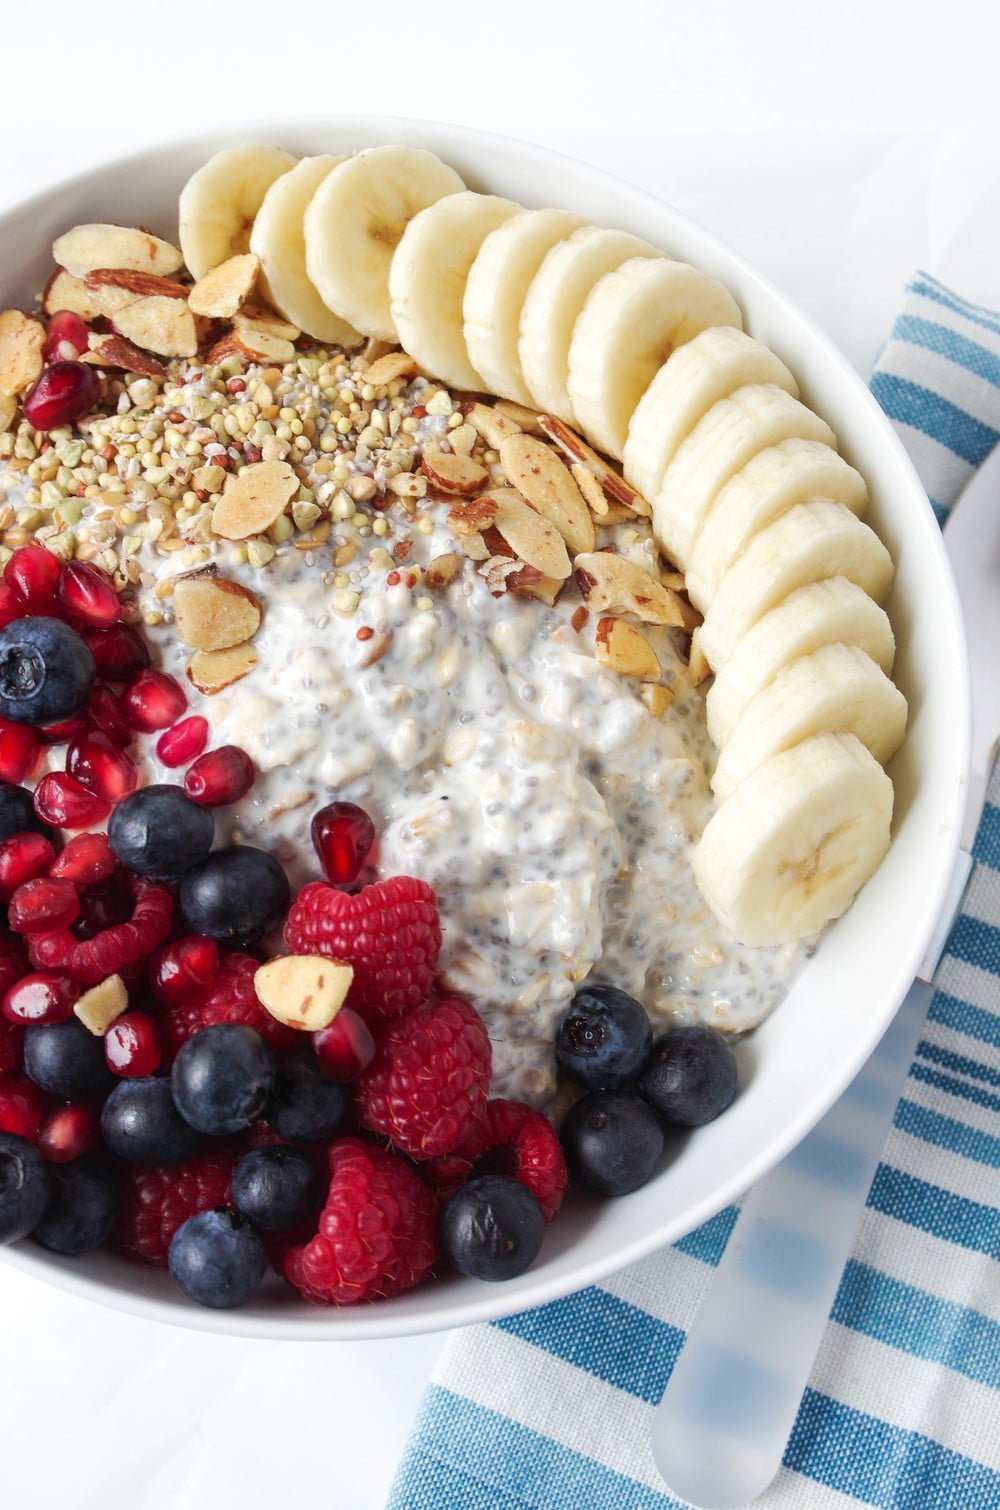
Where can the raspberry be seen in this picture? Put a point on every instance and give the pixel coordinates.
(229, 998)
(377, 1232)
(115, 948)
(427, 1086)
(521, 1142)
(156, 1201)
(389, 932)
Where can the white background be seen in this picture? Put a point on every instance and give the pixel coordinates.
(837, 146)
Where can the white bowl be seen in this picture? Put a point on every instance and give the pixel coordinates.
(798, 1062)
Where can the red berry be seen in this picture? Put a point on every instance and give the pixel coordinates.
(20, 748)
(131, 1045)
(427, 1086)
(345, 1047)
(222, 776)
(89, 594)
(11, 605)
(119, 653)
(68, 1132)
(66, 337)
(116, 948)
(389, 932)
(11, 1039)
(13, 960)
(65, 803)
(42, 904)
(156, 1201)
(85, 860)
(99, 765)
(231, 997)
(63, 393)
(22, 858)
(153, 701)
(40, 997)
(343, 835)
(22, 1107)
(182, 968)
(104, 711)
(184, 742)
(61, 734)
(521, 1142)
(33, 573)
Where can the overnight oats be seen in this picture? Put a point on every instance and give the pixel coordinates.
(354, 722)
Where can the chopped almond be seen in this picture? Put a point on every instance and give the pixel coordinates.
(211, 670)
(253, 319)
(253, 499)
(85, 247)
(442, 570)
(164, 326)
(656, 697)
(625, 649)
(388, 368)
(115, 351)
(304, 991)
(611, 583)
(453, 474)
(475, 516)
(531, 537)
(63, 291)
(492, 424)
(525, 419)
(142, 285)
(224, 289)
(577, 450)
(698, 667)
(21, 340)
(98, 1007)
(214, 613)
(8, 408)
(536, 471)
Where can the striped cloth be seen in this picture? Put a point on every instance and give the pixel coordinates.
(551, 1409)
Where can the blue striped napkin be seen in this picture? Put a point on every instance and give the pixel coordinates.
(550, 1409)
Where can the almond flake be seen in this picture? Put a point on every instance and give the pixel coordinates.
(408, 485)
(656, 697)
(224, 289)
(165, 326)
(214, 613)
(475, 547)
(85, 247)
(674, 579)
(610, 583)
(142, 285)
(625, 649)
(254, 320)
(253, 345)
(530, 536)
(211, 670)
(98, 1007)
(8, 408)
(593, 493)
(115, 351)
(698, 667)
(389, 368)
(63, 291)
(577, 450)
(492, 424)
(304, 991)
(442, 570)
(21, 340)
(453, 474)
(525, 419)
(528, 582)
(536, 471)
(253, 499)
(462, 440)
(475, 516)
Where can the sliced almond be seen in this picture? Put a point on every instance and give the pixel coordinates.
(492, 424)
(475, 516)
(211, 670)
(8, 408)
(698, 667)
(85, 247)
(142, 285)
(224, 289)
(115, 351)
(656, 697)
(536, 471)
(111, 300)
(253, 499)
(408, 485)
(475, 547)
(530, 536)
(389, 368)
(609, 583)
(214, 613)
(304, 991)
(525, 419)
(63, 291)
(577, 450)
(463, 439)
(674, 579)
(255, 344)
(594, 495)
(453, 474)
(442, 570)
(165, 326)
(228, 346)
(98, 1007)
(625, 649)
(255, 320)
(21, 340)
(527, 582)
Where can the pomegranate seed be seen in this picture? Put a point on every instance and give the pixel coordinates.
(60, 734)
(105, 712)
(33, 573)
(11, 605)
(22, 1107)
(183, 967)
(343, 835)
(119, 653)
(223, 775)
(132, 1045)
(20, 748)
(62, 801)
(102, 906)
(153, 701)
(40, 997)
(183, 742)
(86, 859)
(345, 1047)
(68, 1132)
(101, 767)
(89, 594)
(66, 337)
(22, 858)
(62, 393)
(41, 904)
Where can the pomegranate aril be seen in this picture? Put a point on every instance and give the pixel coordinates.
(132, 1045)
(11, 1041)
(11, 605)
(182, 968)
(20, 748)
(184, 742)
(65, 338)
(64, 392)
(119, 653)
(85, 860)
(343, 835)
(40, 997)
(102, 906)
(223, 775)
(22, 858)
(101, 767)
(61, 734)
(345, 1047)
(104, 711)
(65, 803)
(33, 573)
(89, 594)
(153, 701)
(68, 1132)
(41, 904)
(22, 1106)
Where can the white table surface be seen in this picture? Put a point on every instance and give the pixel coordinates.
(837, 149)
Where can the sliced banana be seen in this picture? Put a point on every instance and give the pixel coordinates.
(710, 366)
(791, 848)
(836, 690)
(279, 240)
(774, 480)
(733, 430)
(632, 320)
(497, 284)
(809, 543)
(219, 202)
(428, 276)
(552, 306)
(355, 221)
(834, 611)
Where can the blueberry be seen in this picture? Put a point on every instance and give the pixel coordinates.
(307, 1107)
(604, 1038)
(217, 1258)
(223, 1077)
(160, 832)
(612, 1142)
(275, 1187)
(492, 1228)
(141, 1124)
(24, 1187)
(236, 895)
(690, 1076)
(46, 671)
(66, 1059)
(17, 812)
(82, 1207)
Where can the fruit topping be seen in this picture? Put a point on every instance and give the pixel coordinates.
(142, 1125)
(43, 903)
(116, 946)
(156, 1200)
(228, 997)
(66, 1060)
(63, 392)
(40, 997)
(690, 1077)
(604, 1038)
(153, 701)
(180, 969)
(69, 1131)
(612, 1142)
(343, 835)
(19, 751)
(17, 811)
(22, 858)
(492, 1228)
(119, 653)
(217, 1258)
(132, 1046)
(46, 671)
(88, 593)
(85, 860)
(220, 777)
(223, 1078)
(183, 743)
(236, 895)
(276, 1188)
(160, 832)
(65, 338)
(25, 1187)
(22, 1106)
(519, 1141)
(99, 765)
(65, 802)
(81, 1209)
(345, 1047)
(306, 1107)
